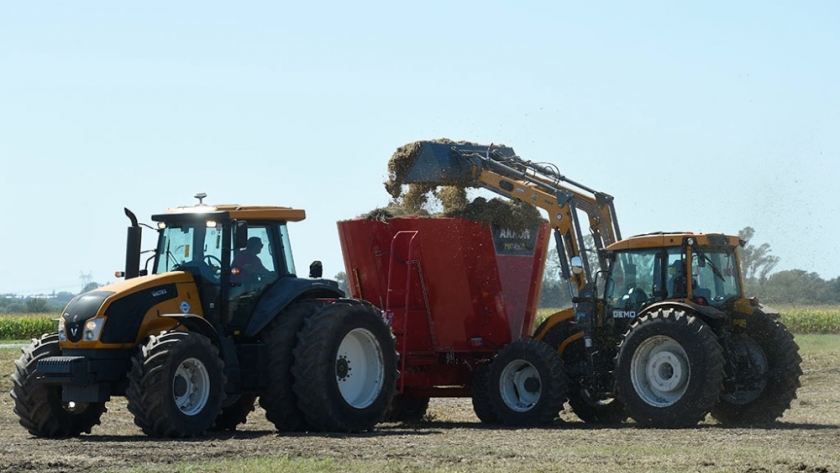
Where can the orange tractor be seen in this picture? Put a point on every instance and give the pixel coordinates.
(220, 320)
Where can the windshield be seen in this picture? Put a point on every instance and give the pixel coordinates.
(189, 245)
(639, 277)
(715, 272)
(634, 277)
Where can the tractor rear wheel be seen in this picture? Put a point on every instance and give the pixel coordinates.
(345, 368)
(409, 410)
(669, 369)
(527, 383)
(763, 369)
(176, 385)
(279, 399)
(39, 406)
(590, 408)
(482, 405)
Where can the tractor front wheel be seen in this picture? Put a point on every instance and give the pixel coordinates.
(39, 406)
(176, 385)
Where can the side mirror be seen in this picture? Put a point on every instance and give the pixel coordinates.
(240, 235)
(577, 265)
(316, 270)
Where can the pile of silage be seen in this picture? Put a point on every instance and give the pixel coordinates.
(417, 199)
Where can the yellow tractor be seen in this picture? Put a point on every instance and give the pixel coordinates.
(666, 336)
(220, 319)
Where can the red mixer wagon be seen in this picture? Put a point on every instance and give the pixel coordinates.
(454, 291)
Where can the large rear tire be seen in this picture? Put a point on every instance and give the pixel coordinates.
(279, 399)
(527, 383)
(176, 385)
(345, 368)
(590, 408)
(763, 369)
(39, 406)
(669, 369)
(482, 405)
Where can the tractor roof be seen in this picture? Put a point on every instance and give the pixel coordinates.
(232, 212)
(666, 239)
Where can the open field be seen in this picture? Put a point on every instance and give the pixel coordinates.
(806, 440)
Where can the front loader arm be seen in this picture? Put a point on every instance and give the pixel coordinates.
(500, 170)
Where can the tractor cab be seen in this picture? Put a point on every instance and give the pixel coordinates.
(234, 253)
(696, 269)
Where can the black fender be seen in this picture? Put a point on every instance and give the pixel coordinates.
(227, 349)
(705, 312)
(281, 294)
(196, 323)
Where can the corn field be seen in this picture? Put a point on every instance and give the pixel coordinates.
(818, 319)
(798, 319)
(26, 326)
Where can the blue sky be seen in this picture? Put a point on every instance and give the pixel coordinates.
(705, 116)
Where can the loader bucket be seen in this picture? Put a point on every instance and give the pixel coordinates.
(447, 163)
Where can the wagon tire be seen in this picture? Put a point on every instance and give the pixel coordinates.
(527, 383)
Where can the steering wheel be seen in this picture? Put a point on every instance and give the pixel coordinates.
(211, 261)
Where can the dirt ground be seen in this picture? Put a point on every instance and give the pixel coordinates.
(807, 439)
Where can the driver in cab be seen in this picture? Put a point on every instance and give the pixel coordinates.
(247, 261)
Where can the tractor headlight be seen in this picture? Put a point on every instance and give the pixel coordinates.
(93, 328)
(62, 335)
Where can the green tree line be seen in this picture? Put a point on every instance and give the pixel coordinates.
(10, 304)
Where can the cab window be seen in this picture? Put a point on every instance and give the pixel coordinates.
(633, 279)
(716, 274)
(194, 247)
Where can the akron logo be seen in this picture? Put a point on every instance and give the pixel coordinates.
(509, 234)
